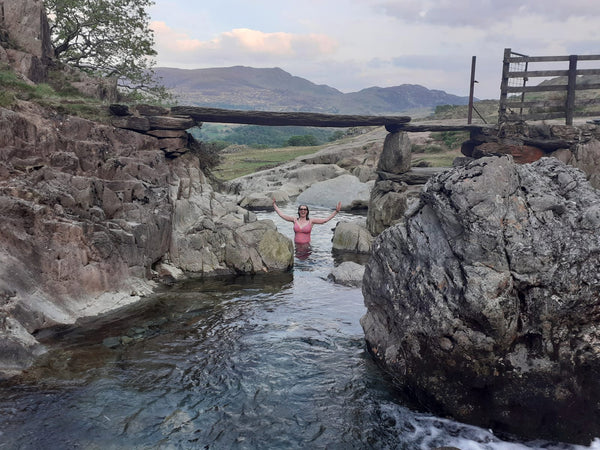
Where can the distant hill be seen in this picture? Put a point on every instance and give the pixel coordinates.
(274, 89)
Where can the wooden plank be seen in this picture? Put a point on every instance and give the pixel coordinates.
(271, 118)
(588, 57)
(524, 59)
(552, 88)
(539, 73)
(544, 116)
(536, 104)
(571, 89)
(545, 88)
(413, 127)
(584, 87)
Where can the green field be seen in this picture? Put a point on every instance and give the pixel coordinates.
(250, 160)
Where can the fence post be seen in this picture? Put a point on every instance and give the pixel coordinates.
(504, 85)
(471, 90)
(571, 83)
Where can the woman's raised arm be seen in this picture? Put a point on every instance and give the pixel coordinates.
(320, 221)
(283, 216)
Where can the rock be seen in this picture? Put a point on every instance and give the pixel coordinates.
(131, 123)
(258, 247)
(279, 196)
(364, 173)
(169, 134)
(348, 273)
(345, 188)
(27, 26)
(396, 154)
(388, 202)
(483, 304)
(18, 349)
(587, 158)
(257, 202)
(31, 67)
(521, 154)
(168, 274)
(352, 237)
(415, 176)
(276, 251)
(89, 210)
(170, 123)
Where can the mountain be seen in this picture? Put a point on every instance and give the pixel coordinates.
(274, 89)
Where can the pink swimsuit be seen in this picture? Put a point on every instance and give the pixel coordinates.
(302, 233)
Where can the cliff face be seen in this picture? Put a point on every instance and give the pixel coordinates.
(25, 37)
(94, 216)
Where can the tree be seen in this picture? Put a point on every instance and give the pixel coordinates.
(305, 140)
(108, 38)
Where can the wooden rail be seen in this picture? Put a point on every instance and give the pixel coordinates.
(516, 73)
(306, 119)
(270, 118)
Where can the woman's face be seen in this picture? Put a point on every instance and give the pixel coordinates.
(302, 211)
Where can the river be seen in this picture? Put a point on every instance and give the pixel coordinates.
(263, 362)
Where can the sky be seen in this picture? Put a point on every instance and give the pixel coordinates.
(355, 44)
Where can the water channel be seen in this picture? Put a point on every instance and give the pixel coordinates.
(263, 362)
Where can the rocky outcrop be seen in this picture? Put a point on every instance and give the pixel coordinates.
(483, 304)
(578, 146)
(346, 188)
(25, 38)
(397, 183)
(89, 210)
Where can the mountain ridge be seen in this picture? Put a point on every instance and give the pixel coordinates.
(249, 88)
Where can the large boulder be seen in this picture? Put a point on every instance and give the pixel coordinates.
(483, 304)
(387, 204)
(351, 237)
(396, 154)
(291, 179)
(213, 235)
(346, 188)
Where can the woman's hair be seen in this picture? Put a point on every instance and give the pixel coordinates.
(307, 210)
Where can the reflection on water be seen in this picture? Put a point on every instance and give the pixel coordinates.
(252, 362)
(302, 251)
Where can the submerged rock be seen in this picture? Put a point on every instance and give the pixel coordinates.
(348, 273)
(484, 304)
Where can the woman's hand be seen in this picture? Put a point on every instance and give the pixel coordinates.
(338, 207)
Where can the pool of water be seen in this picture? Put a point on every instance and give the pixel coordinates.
(263, 362)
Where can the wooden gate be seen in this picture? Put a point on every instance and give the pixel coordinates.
(555, 98)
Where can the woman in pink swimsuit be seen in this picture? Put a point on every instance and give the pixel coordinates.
(303, 223)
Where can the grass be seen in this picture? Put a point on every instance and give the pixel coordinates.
(57, 95)
(442, 159)
(440, 152)
(250, 160)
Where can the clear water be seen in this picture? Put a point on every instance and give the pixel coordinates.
(264, 362)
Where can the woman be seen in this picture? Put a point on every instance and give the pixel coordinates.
(303, 223)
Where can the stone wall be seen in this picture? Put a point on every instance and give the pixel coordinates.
(578, 146)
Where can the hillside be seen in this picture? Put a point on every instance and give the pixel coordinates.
(276, 90)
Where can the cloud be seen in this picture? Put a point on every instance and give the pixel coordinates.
(482, 13)
(240, 45)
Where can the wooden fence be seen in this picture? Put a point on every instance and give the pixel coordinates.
(519, 101)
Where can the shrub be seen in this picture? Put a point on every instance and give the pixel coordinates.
(302, 141)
